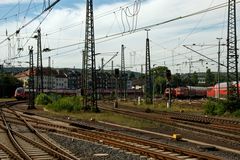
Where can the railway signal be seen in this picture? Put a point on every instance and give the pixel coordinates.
(169, 78)
(168, 75)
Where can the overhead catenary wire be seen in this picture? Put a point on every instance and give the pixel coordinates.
(36, 29)
(120, 34)
(109, 37)
(29, 22)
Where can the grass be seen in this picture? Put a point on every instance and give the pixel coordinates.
(112, 118)
(177, 106)
(6, 99)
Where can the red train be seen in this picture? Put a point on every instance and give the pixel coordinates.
(189, 91)
(201, 92)
(21, 93)
(214, 92)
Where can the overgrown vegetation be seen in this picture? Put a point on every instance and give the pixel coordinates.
(8, 84)
(43, 99)
(221, 107)
(69, 104)
(58, 103)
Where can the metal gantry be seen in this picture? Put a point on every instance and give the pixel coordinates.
(89, 62)
(148, 74)
(232, 56)
(39, 70)
(31, 104)
(123, 74)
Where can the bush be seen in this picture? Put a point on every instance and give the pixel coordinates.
(237, 113)
(54, 96)
(69, 104)
(220, 108)
(43, 99)
(232, 105)
(210, 107)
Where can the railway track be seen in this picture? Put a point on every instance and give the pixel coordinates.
(223, 131)
(122, 141)
(110, 138)
(193, 118)
(25, 142)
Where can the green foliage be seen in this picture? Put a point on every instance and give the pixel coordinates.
(132, 76)
(70, 104)
(54, 97)
(176, 80)
(194, 79)
(8, 84)
(159, 71)
(220, 107)
(210, 78)
(159, 85)
(43, 99)
(159, 79)
(232, 105)
(237, 113)
(210, 107)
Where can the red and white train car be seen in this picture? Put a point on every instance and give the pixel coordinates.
(214, 91)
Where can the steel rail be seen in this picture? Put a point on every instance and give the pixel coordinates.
(44, 139)
(13, 140)
(107, 134)
(8, 151)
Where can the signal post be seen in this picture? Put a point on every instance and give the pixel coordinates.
(169, 77)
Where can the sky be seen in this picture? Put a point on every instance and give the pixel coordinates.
(117, 22)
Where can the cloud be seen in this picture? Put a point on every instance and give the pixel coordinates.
(18, 1)
(66, 25)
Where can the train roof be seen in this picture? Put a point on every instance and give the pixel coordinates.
(224, 84)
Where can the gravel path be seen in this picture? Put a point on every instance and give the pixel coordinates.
(93, 151)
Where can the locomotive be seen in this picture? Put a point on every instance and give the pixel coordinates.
(186, 92)
(200, 92)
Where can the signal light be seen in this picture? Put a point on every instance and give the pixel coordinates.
(117, 72)
(168, 75)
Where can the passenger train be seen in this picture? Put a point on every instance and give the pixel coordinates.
(21, 93)
(200, 92)
(186, 92)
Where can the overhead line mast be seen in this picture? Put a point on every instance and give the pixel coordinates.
(232, 56)
(123, 74)
(39, 63)
(31, 104)
(89, 62)
(148, 74)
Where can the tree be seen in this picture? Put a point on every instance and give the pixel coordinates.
(210, 78)
(159, 71)
(159, 84)
(132, 76)
(159, 80)
(177, 80)
(8, 84)
(194, 79)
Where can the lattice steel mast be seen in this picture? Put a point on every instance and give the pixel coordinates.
(123, 74)
(148, 74)
(89, 65)
(232, 56)
(39, 71)
(31, 104)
